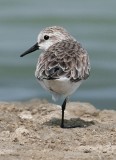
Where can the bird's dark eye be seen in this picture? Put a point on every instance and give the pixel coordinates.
(46, 37)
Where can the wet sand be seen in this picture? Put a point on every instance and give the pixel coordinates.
(31, 131)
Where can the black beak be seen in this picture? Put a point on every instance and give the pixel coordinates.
(30, 50)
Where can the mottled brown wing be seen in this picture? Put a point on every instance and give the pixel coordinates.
(66, 58)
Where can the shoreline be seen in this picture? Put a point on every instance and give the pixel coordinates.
(31, 130)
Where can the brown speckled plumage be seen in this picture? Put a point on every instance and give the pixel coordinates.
(66, 58)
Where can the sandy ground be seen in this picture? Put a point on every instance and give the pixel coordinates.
(31, 131)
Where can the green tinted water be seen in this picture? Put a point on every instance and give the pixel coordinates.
(93, 23)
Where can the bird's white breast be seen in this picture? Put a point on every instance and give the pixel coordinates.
(62, 86)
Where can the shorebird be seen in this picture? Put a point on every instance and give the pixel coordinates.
(62, 66)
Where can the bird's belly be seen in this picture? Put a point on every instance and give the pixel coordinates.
(61, 86)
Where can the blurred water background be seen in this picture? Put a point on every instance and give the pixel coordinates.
(93, 23)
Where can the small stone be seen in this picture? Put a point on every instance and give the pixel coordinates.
(26, 115)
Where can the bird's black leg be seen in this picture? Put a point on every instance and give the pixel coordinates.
(63, 108)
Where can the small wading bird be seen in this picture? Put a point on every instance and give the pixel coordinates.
(63, 64)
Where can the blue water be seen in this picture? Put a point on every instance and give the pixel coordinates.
(93, 23)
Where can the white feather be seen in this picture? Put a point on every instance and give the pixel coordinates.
(60, 87)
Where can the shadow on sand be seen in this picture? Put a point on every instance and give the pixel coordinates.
(71, 123)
